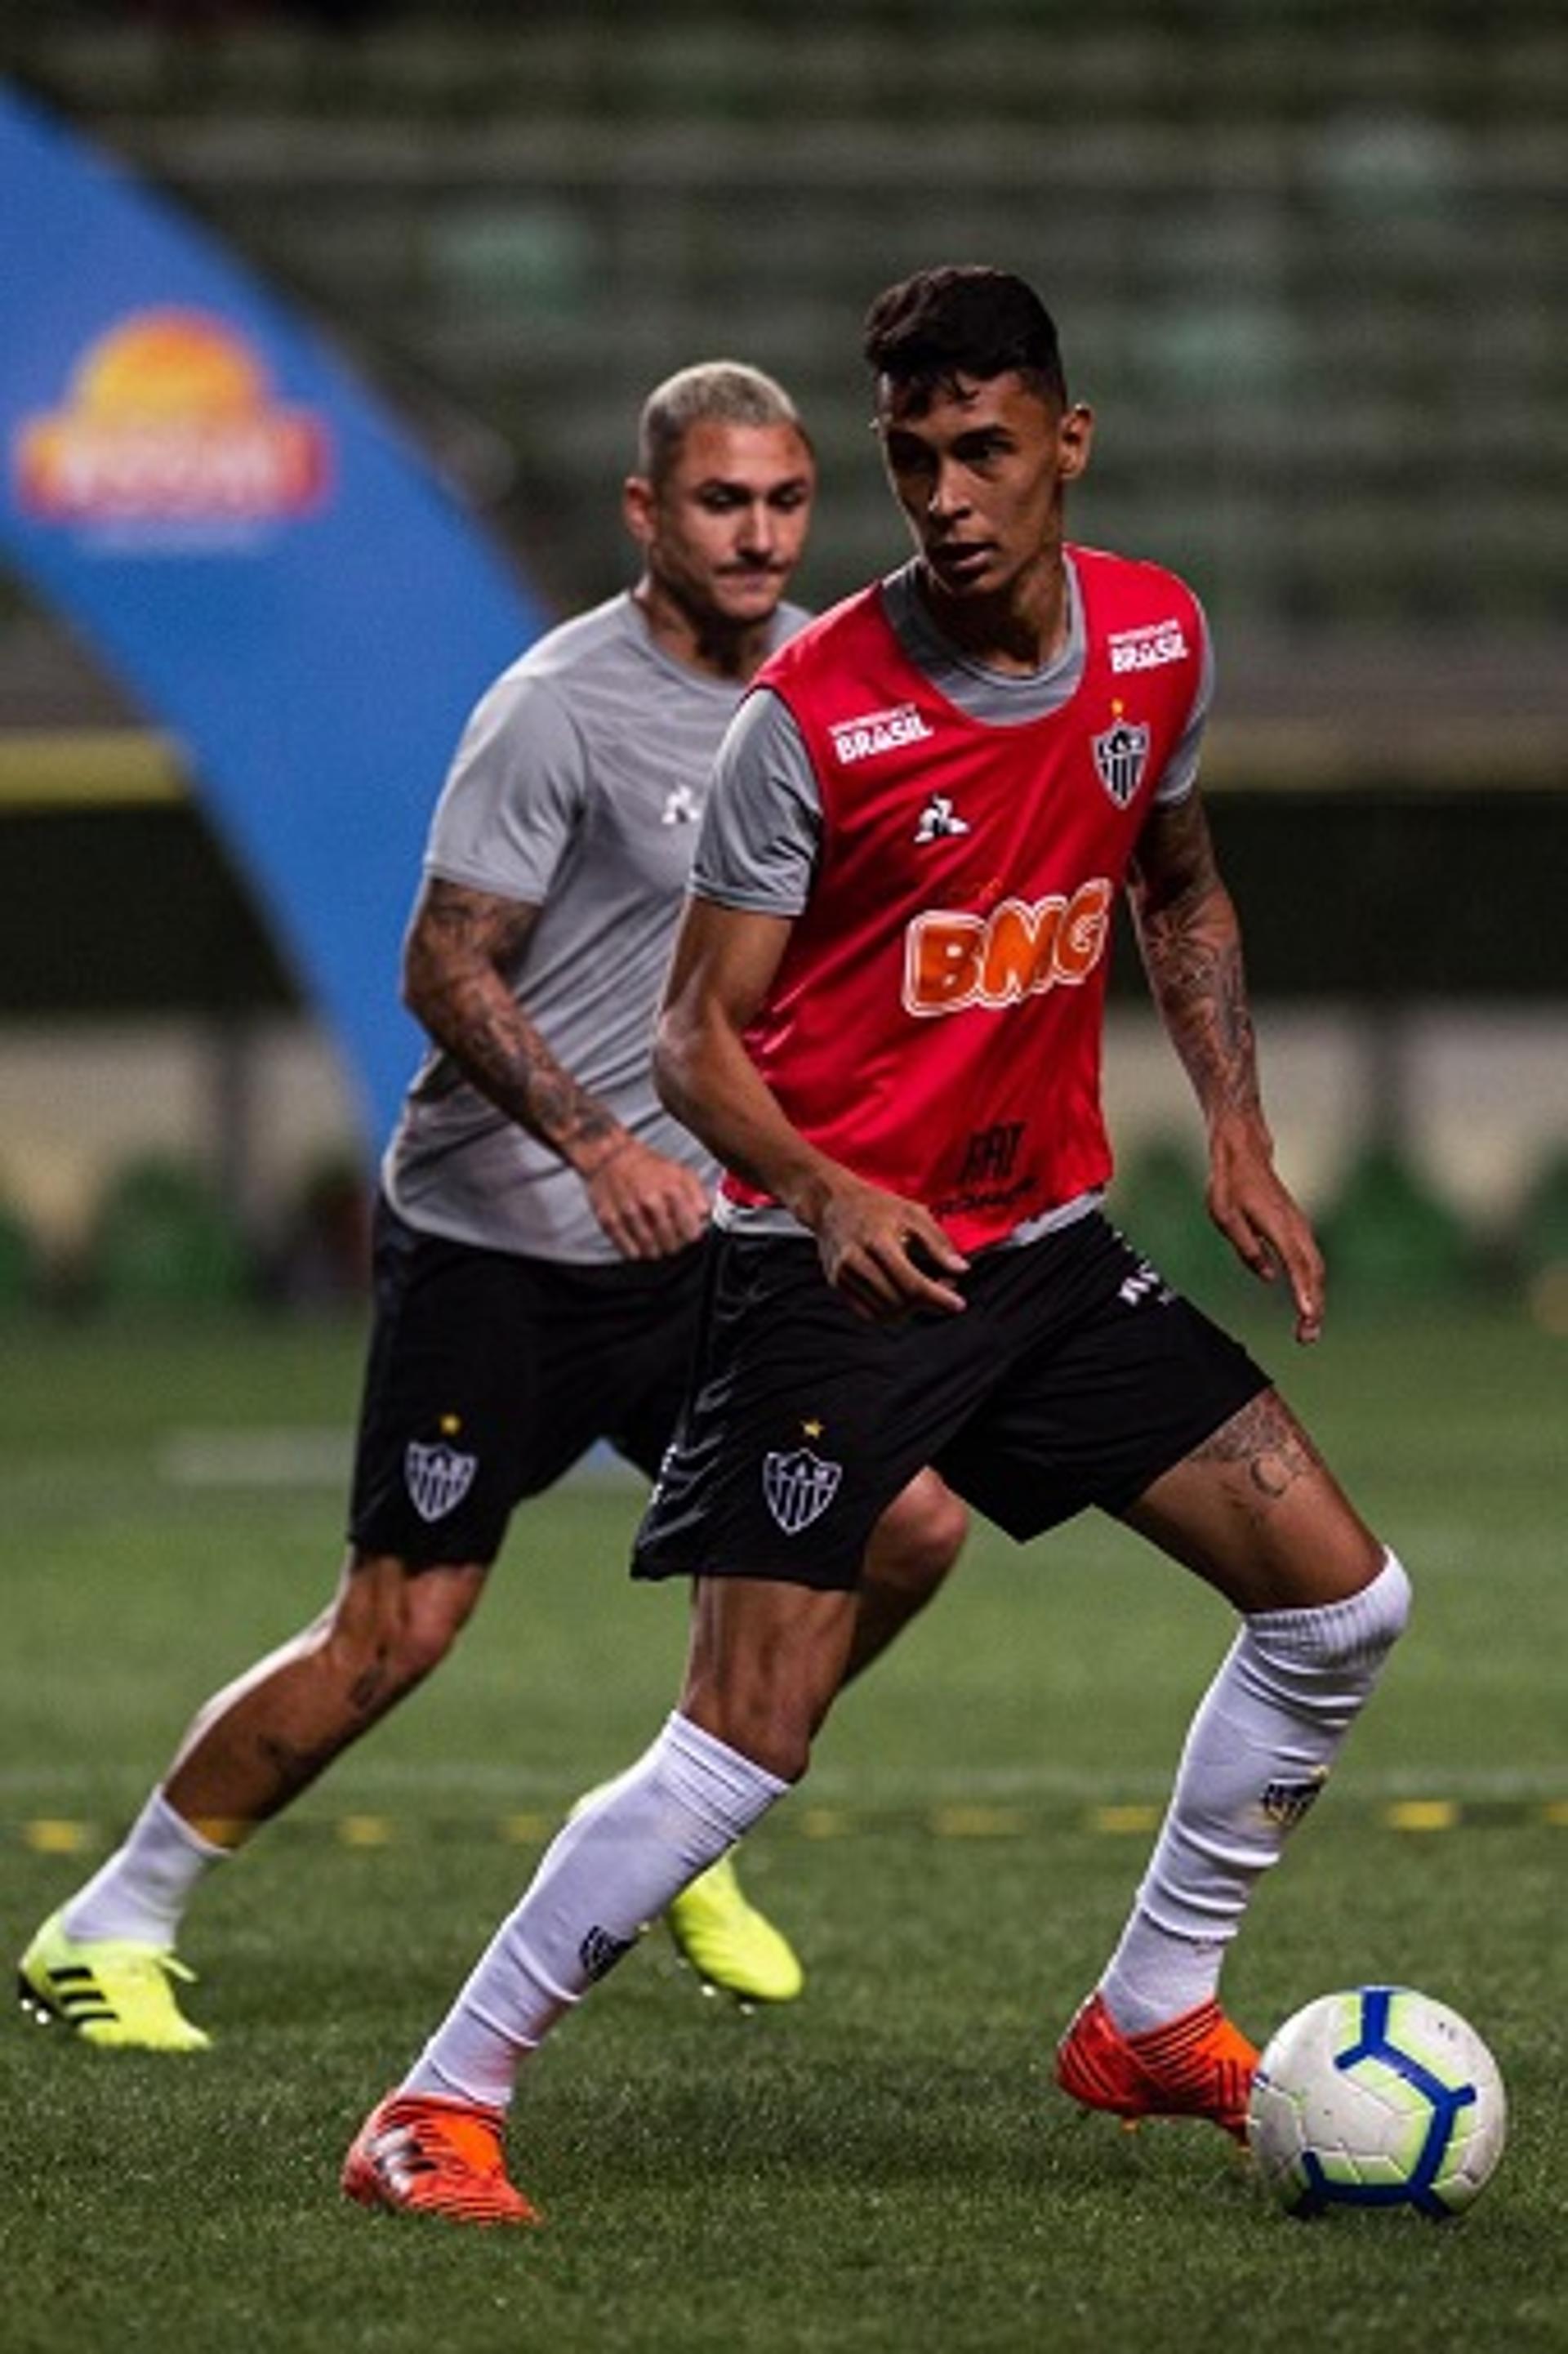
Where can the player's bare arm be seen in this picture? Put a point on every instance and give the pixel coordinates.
(463, 951)
(1190, 943)
(871, 1242)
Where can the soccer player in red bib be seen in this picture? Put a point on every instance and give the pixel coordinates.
(883, 1017)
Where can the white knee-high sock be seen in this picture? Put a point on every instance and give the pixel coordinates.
(1259, 1752)
(143, 1889)
(612, 1867)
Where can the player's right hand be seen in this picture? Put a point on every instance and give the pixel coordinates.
(648, 1206)
(887, 1256)
(1258, 1215)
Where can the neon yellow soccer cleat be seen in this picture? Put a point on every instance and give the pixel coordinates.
(729, 1943)
(109, 1991)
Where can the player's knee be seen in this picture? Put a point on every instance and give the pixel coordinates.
(397, 1624)
(1364, 1635)
(436, 1606)
(423, 1642)
(1394, 1594)
(919, 1536)
(1354, 1635)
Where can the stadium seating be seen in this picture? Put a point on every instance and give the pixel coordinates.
(1297, 252)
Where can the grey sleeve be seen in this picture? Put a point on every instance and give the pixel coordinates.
(1181, 771)
(514, 795)
(763, 821)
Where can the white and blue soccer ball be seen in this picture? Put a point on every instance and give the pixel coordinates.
(1378, 2097)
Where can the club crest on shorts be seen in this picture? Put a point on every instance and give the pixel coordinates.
(799, 1488)
(1120, 755)
(437, 1477)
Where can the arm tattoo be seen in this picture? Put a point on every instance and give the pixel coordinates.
(1190, 944)
(464, 951)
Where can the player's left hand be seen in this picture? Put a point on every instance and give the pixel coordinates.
(886, 1255)
(648, 1206)
(1259, 1217)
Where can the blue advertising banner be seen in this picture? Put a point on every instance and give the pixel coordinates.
(272, 571)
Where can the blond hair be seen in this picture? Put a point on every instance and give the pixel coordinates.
(725, 392)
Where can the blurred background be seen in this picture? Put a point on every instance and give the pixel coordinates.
(1310, 258)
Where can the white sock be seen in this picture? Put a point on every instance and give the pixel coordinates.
(616, 1865)
(143, 1891)
(1259, 1752)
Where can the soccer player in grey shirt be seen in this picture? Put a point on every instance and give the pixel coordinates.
(539, 1244)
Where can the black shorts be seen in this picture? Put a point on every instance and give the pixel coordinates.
(1075, 1377)
(490, 1375)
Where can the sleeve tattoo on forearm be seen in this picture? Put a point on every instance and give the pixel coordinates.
(1195, 967)
(463, 951)
(1191, 952)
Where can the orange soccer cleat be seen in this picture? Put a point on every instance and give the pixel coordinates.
(1199, 2065)
(420, 2154)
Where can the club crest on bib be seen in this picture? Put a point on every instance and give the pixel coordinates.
(1121, 755)
(799, 1488)
(437, 1477)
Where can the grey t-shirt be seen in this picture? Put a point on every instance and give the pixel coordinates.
(758, 841)
(577, 788)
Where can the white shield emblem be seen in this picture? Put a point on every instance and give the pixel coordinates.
(437, 1477)
(1119, 756)
(799, 1488)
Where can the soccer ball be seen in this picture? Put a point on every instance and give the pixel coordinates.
(1377, 2097)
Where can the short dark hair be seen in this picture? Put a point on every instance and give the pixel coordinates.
(968, 320)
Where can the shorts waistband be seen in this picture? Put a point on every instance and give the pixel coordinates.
(740, 1218)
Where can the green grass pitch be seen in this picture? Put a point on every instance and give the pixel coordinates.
(886, 2164)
